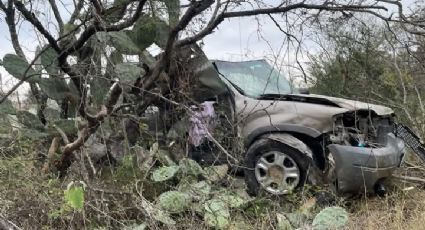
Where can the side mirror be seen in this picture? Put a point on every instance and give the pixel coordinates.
(304, 90)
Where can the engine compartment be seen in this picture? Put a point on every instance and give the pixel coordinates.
(361, 129)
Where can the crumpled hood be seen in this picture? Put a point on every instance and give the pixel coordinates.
(351, 104)
(312, 114)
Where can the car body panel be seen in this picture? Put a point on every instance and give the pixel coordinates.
(268, 115)
(353, 105)
(261, 116)
(360, 169)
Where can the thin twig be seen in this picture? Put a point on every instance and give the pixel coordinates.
(410, 179)
(57, 15)
(90, 163)
(7, 224)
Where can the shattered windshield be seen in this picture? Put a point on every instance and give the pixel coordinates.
(254, 78)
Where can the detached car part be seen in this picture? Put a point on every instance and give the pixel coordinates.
(411, 140)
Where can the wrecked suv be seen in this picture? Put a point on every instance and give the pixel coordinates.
(292, 138)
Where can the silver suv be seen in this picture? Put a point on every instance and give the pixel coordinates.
(293, 138)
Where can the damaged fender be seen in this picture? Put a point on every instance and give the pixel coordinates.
(361, 168)
(315, 175)
(291, 141)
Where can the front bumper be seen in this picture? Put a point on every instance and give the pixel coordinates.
(359, 169)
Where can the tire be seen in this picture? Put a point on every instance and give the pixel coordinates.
(265, 149)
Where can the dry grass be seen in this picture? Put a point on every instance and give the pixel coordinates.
(402, 208)
(32, 200)
(399, 210)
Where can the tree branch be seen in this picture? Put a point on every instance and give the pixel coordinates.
(85, 35)
(37, 24)
(62, 134)
(53, 43)
(107, 108)
(51, 154)
(298, 46)
(10, 20)
(324, 7)
(163, 64)
(63, 53)
(92, 29)
(2, 6)
(57, 15)
(76, 12)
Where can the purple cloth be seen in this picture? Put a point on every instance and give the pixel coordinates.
(201, 123)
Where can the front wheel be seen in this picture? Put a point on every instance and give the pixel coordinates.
(274, 167)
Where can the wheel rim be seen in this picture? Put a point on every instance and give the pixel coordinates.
(277, 173)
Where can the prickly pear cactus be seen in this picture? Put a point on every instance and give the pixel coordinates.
(74, 197)
(7, 108)
(16, 66)
(29, 120)
(164, 173)
(49, 61)
(47, 75)
(216, 172)
(190, 167)
(55, 86)
(199, 191)
(174, 201)
(232, 200)
(216, 214)
(128, 72)
(5, 125)
(156, 213)
(330, 218)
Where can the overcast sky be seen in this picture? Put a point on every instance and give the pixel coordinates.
(234, 40)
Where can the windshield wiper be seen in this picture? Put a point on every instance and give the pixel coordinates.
(272, 96)
(239, 89)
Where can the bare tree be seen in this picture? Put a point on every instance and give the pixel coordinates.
(95, 18)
